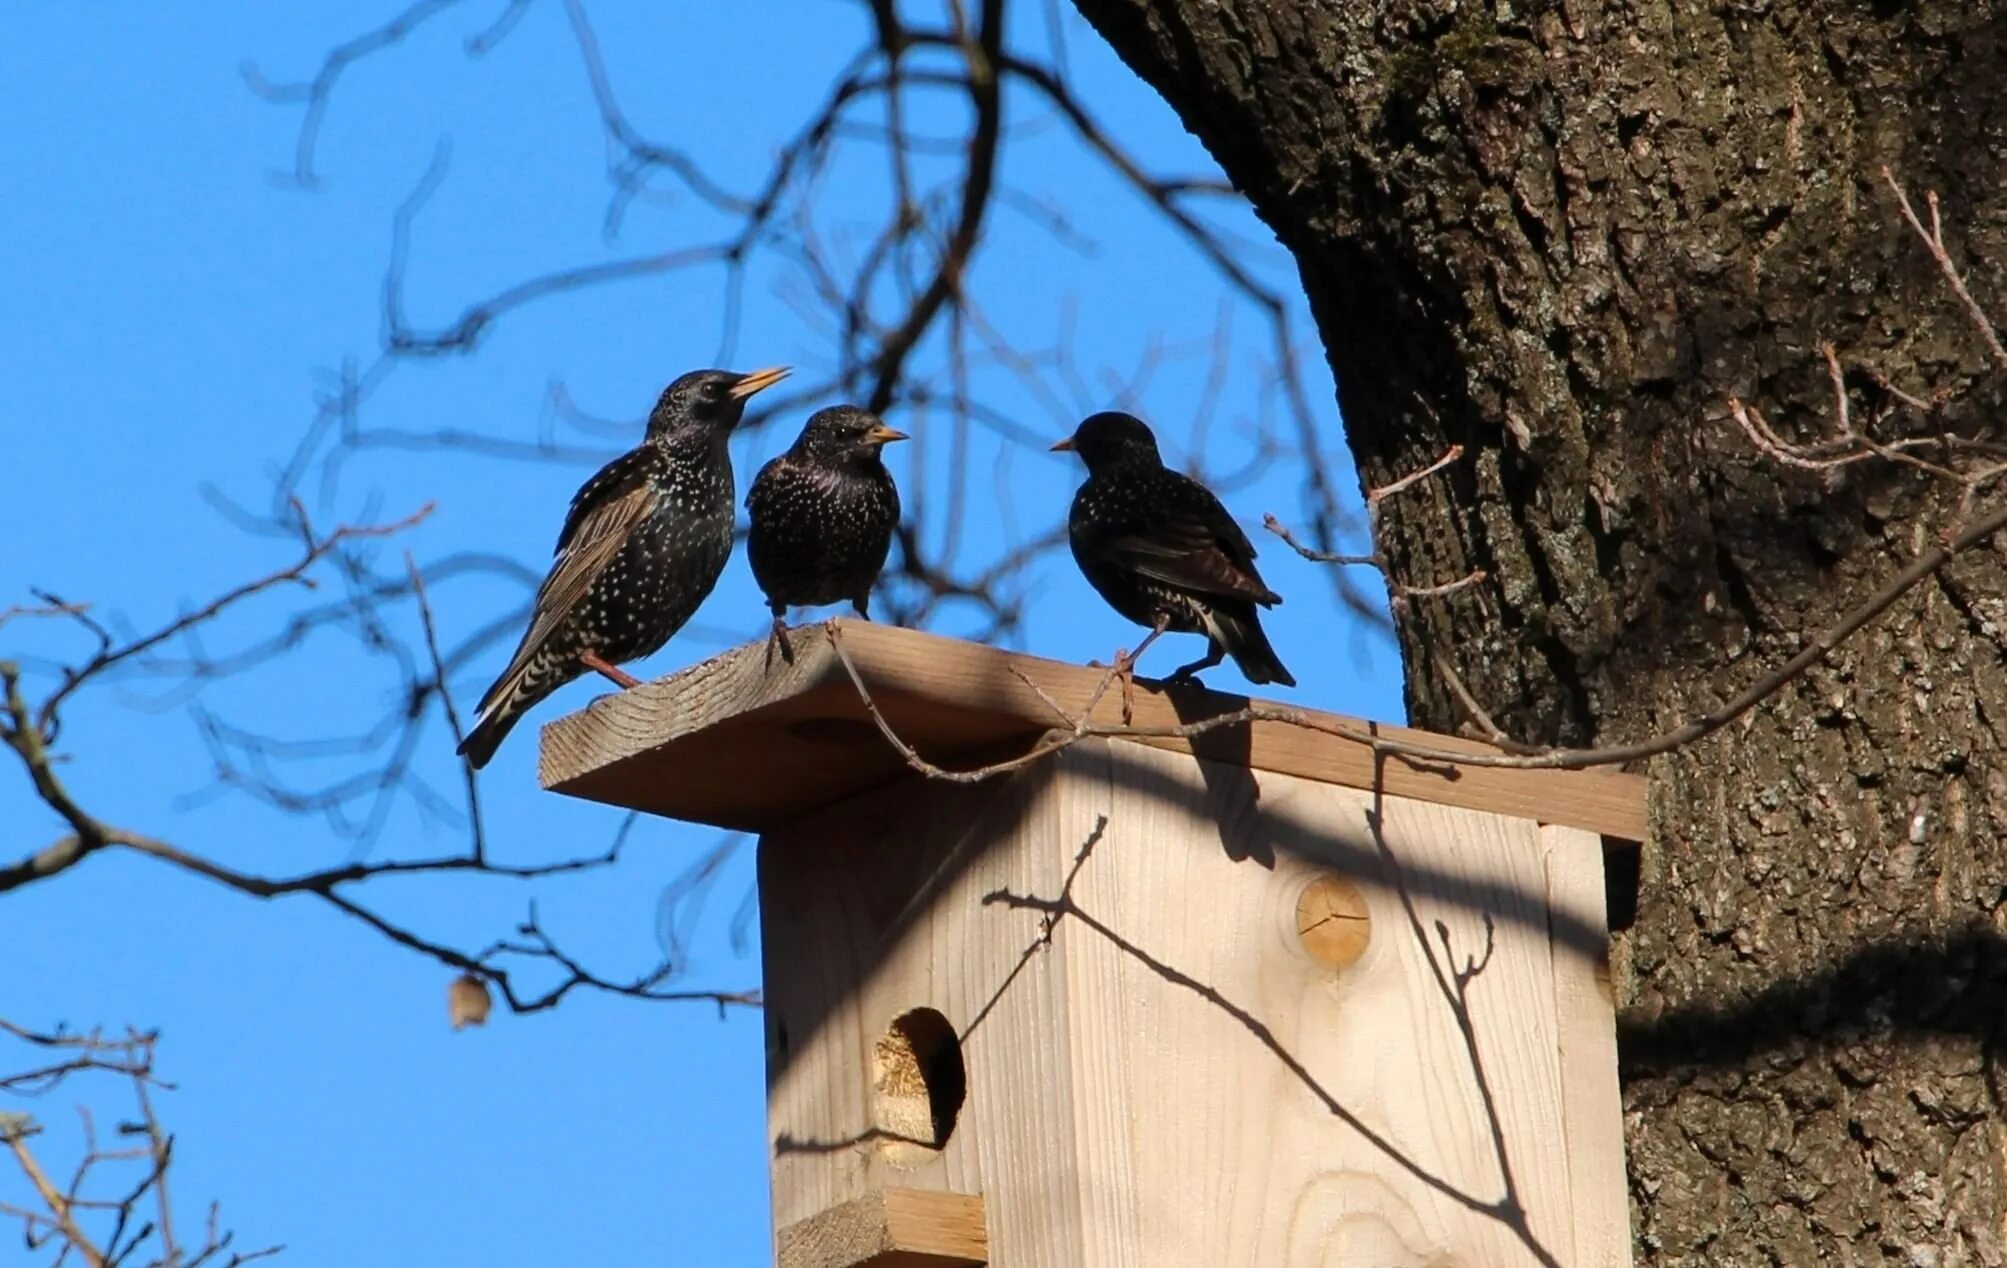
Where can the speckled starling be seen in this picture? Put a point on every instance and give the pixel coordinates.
(642, 546)
(822, 515)
(1162, 550)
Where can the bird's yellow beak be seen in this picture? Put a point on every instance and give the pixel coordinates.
(1064, 446)
(883, 435)
(758, 380)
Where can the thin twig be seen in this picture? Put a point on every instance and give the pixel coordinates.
(316, 549)
(1409, 480)
(1694, 729)
(477, 833)
(1933, 240)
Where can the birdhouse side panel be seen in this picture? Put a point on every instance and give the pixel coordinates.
(1203, 1015)
(883, 907)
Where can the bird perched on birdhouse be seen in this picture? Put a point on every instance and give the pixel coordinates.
(1159, 547)
(641, 548)
(822, 516)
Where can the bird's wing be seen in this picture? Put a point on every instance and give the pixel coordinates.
(596, 537)
(620, 476)
(1192, 543)
(603, 515)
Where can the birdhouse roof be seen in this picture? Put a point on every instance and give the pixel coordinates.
(742, 743)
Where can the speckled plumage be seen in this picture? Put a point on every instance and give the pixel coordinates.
(1158, 546)
(643, 544)
(822, 514)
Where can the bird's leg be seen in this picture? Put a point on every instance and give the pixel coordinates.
(613, 673)
(863, 605)
(1189, 673)
(778, 638)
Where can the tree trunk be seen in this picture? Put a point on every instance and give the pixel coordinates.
(1566, 234)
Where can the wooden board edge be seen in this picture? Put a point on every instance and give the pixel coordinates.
(1592, 1109)
(622, 727)
(910, 1228)
(579, 744)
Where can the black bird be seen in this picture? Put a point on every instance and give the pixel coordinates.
(1162, 550)
(822, 516)
(642, 546)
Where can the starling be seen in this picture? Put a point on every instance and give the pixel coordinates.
(641, 547)
(822, 516)
(1162, 551)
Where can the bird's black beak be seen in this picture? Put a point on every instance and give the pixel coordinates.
(1064, 446)
(883, 435)
(758, 380)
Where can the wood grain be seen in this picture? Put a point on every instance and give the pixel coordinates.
(742, 744)
(1159, 1072)
(892, 1228)
(1592, 1104)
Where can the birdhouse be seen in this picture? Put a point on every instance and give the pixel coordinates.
(1216, 984)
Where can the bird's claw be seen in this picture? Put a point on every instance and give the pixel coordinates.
(778, 638)
(1190, 673)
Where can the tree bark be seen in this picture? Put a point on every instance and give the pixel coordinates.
(1566, 234)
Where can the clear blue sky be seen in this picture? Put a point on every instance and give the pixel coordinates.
(167, 313)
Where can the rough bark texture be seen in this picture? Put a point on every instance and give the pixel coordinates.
(1565, 234)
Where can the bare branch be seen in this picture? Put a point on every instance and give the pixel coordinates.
(91, 1216)
(27, 731)
(316, 549)
(478, 842)
(314, 93)
(1376, 496)
(1398, 591)
(52, 609)
(1933, 241)
(1523, 757)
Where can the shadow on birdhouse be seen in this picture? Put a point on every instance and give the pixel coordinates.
(1387, 1044)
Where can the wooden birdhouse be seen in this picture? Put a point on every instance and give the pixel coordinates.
(1223, 991)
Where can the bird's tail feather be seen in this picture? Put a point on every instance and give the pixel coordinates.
(520, 687)
(486, 737)
(1240, 633)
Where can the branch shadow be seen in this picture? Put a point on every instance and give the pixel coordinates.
(983, 815)
(1246, 835)
(1921, 985)
(988, 819)
(1454, 981)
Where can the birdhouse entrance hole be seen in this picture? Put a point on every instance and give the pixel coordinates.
(1175, 1084)
(921, 1083)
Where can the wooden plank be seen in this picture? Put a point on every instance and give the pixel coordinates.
(854, 907)
(742, 744)
(1161, 1072)
(892, 1228)
(1592, 1104)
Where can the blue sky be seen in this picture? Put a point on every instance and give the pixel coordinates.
(169, 311)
